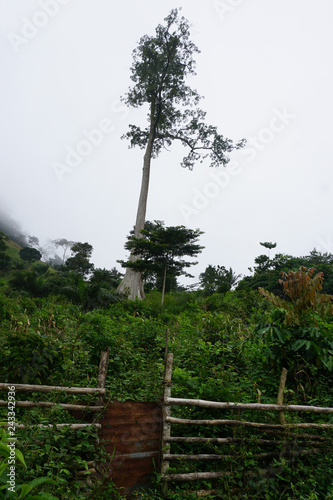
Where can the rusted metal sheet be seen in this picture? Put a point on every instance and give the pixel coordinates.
(133, 434)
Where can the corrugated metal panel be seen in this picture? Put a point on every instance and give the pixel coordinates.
(133, 431)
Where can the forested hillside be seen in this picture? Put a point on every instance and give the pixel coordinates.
(230, 342)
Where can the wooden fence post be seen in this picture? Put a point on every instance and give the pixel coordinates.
(102, 373)
(103, 368)
(166, 431)
(279, 400)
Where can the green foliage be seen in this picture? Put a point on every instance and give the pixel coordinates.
(268, 244)
(79, 263)
(3, 239)
(293, 330)
(160, 66)
(102, 288)
(160, 251)
(4, 258)
(11, 455)
(4, 261)
(30, 280)
(47, 452)
(30, 254)
(266, 272)
(227, 346)
(29, 357)
(40, 268)
(217, 279)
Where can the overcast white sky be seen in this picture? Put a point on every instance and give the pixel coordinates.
(265, 70)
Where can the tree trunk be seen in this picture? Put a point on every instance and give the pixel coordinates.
(132, 283)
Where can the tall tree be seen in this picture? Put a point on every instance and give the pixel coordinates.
(161, 64)
(160, 250)
(269, 245)
(79, 262)
(65, 244)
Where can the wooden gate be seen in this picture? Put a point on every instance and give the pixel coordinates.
(306, 443)
(130, 431)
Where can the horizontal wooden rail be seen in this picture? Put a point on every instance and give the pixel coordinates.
(318, 440)
(50, 388)
(245, 406)
(259, 425)
(187, 439)
(45, 404)
(51, 426)
(199, 476)
(262, 456)
(288, 444)
(203, 456)
(194, 476)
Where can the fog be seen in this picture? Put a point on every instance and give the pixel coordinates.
(265, 73)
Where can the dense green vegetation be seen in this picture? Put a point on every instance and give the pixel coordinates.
(229, 344)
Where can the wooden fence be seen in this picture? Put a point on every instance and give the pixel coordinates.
(310, 444)
(99, 391)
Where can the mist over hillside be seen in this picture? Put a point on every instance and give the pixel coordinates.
(12, 228)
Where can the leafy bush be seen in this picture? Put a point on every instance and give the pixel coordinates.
(29, 357)
(296, 332)
(20, 491)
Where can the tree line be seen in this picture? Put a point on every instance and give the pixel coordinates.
(161, 253)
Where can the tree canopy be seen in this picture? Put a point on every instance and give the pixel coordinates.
(266, 272)
(79, 262)
(268, 244)
(217, 279)
(161, 250)
(30, 254)
(161, 64)
(65, 244)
